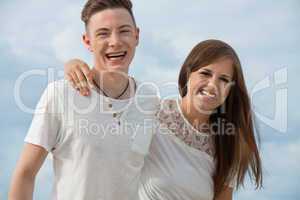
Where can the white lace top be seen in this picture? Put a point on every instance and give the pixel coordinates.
(180, 164)
(170, 117)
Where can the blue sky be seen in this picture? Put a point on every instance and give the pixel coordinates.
(43, 34)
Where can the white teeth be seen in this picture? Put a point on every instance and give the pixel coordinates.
(118, 54)
(208, 94)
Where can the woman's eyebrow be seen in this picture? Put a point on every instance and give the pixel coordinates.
(226, 76)
(205, 69)
(222, 75)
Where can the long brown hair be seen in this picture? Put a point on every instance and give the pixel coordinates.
(237, 153)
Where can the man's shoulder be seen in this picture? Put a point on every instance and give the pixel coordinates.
(60, 87)
(63, 96)
(59, 84)
(58, 91)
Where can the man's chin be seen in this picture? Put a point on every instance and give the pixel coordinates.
(117, 68)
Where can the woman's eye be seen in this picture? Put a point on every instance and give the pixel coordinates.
(205, 73)
(225, 80)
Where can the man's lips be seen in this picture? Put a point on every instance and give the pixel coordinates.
(115, 56)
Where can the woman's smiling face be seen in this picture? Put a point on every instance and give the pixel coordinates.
(209, 86)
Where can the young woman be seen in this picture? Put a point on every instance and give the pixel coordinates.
(205, 141)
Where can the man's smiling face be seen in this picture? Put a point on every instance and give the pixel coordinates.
(112, 37)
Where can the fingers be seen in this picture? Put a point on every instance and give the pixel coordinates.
(77, 73)
(74, 80)
(77, 83)
(71, 80)
(82, 82)
(89, 75)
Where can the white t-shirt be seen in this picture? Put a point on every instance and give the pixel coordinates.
(98, 144)
(180, 165)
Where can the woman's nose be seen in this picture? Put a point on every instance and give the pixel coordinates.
(213, 81)
(212, 85)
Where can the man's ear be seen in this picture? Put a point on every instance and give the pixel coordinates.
(137, 36)
(87, 42)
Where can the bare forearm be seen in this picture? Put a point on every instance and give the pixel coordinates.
(21, 188)
(30, 162)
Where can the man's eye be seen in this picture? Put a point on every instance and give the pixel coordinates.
(102, 34)
(125, 31)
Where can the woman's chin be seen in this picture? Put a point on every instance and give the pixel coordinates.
(206, 109)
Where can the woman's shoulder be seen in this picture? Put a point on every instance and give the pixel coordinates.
(168, 110)
(171, 120)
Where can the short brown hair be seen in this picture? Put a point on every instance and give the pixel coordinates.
(93, 6)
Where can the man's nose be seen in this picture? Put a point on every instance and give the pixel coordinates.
(114, 40)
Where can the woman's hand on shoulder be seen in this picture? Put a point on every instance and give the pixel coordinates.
(80, 76)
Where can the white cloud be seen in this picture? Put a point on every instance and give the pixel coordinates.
(283, 156)
(181, 41)
(34, 25)
(281, 172)
(67, 44)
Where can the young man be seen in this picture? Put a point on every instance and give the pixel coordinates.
(99, 142)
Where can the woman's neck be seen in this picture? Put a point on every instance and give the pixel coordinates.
(199, 120)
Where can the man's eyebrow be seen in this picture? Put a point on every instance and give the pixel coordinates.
(125, 26)
(107, 29)
(101, 29)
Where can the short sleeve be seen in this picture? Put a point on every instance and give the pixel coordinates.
(46, 121)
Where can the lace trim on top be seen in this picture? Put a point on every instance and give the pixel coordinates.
(170, 117)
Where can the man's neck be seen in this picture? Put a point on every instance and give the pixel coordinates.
(113, 83)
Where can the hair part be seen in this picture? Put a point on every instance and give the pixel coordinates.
(235, 154)
(93, 6)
